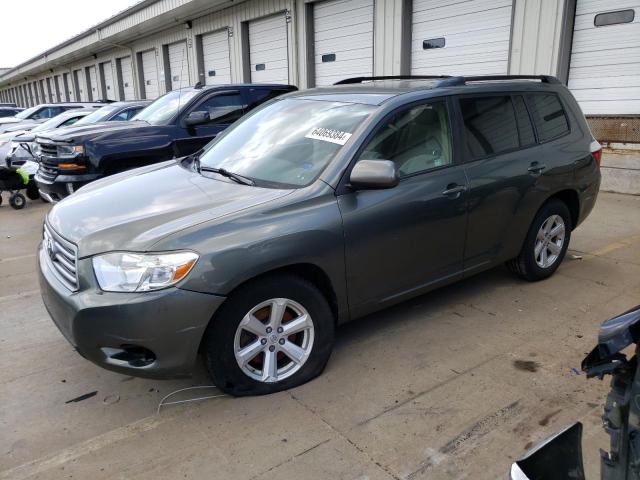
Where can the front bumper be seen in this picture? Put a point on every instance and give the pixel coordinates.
(56, 190)
(102, 325)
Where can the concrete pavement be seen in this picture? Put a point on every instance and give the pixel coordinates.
(454, 384)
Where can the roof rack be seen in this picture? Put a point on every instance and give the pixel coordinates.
(449, 81)
(453, 81)
(348, 81)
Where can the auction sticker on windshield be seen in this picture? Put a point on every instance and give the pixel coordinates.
(328, 135)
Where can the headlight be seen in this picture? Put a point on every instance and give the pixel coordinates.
(138, 272)
(70, 150)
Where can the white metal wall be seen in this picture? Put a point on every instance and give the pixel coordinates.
(343, 39)
(215, 58)
(604, 73)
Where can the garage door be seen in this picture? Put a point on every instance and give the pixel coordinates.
(150, 75)
(58, 88)
(343, 39)
(52, 90)
(126, 78)
(215, 58)
(68, 88)
(80, 86)
(604, 73)
(268, 50)
(178, 65)
(460, 38)
(107, 79)
(93, 83)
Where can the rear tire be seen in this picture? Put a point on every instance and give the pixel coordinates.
(238, 351)
(546, 243)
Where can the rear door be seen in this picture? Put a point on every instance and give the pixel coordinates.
(224, 107)
(501, 156)
(402, 241)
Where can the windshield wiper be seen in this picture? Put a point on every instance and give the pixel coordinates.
(225, 173)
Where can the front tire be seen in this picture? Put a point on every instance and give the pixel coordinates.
(272, 334)
(546, 243)
(17, 201)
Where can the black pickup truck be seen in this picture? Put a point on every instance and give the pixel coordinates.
(175, 125)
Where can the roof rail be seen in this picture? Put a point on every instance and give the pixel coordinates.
(348, 81)
(455, 81)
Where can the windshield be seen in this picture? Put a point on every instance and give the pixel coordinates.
(100, 115)
(28, 112)
(166, 107)
(288, 142)
(49, 124)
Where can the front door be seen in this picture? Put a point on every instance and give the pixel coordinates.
(224, 108)
(405, 240)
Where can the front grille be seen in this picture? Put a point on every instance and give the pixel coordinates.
(48, 150)
(63, 257)
(48, 170)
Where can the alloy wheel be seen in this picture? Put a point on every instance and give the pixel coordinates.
(274, 340)
(549, 241)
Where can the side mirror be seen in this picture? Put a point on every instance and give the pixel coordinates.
(374, 174)
(197, 118)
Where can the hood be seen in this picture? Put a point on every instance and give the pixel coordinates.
(93, 130)
(133, 210)
(16, 123)
(7, 120)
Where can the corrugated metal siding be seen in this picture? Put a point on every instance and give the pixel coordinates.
(604, 73)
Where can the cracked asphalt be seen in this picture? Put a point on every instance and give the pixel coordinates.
(453, 384)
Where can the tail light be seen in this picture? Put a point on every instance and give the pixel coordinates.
(596, 151)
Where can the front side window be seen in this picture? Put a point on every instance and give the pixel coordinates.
(223, 109)
(100, 115)
(416, 140)
(287, 143)
(165, 108)
(490, 125)
(548, 116)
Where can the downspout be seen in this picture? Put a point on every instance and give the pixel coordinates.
(134, 71)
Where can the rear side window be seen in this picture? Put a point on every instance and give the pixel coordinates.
(548, 116)
(490, 125)
(525, 128)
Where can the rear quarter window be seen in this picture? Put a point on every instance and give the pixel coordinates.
(548, 115)
(490, 125)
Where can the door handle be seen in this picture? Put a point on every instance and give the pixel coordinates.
(454, 190)
(536, 167)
